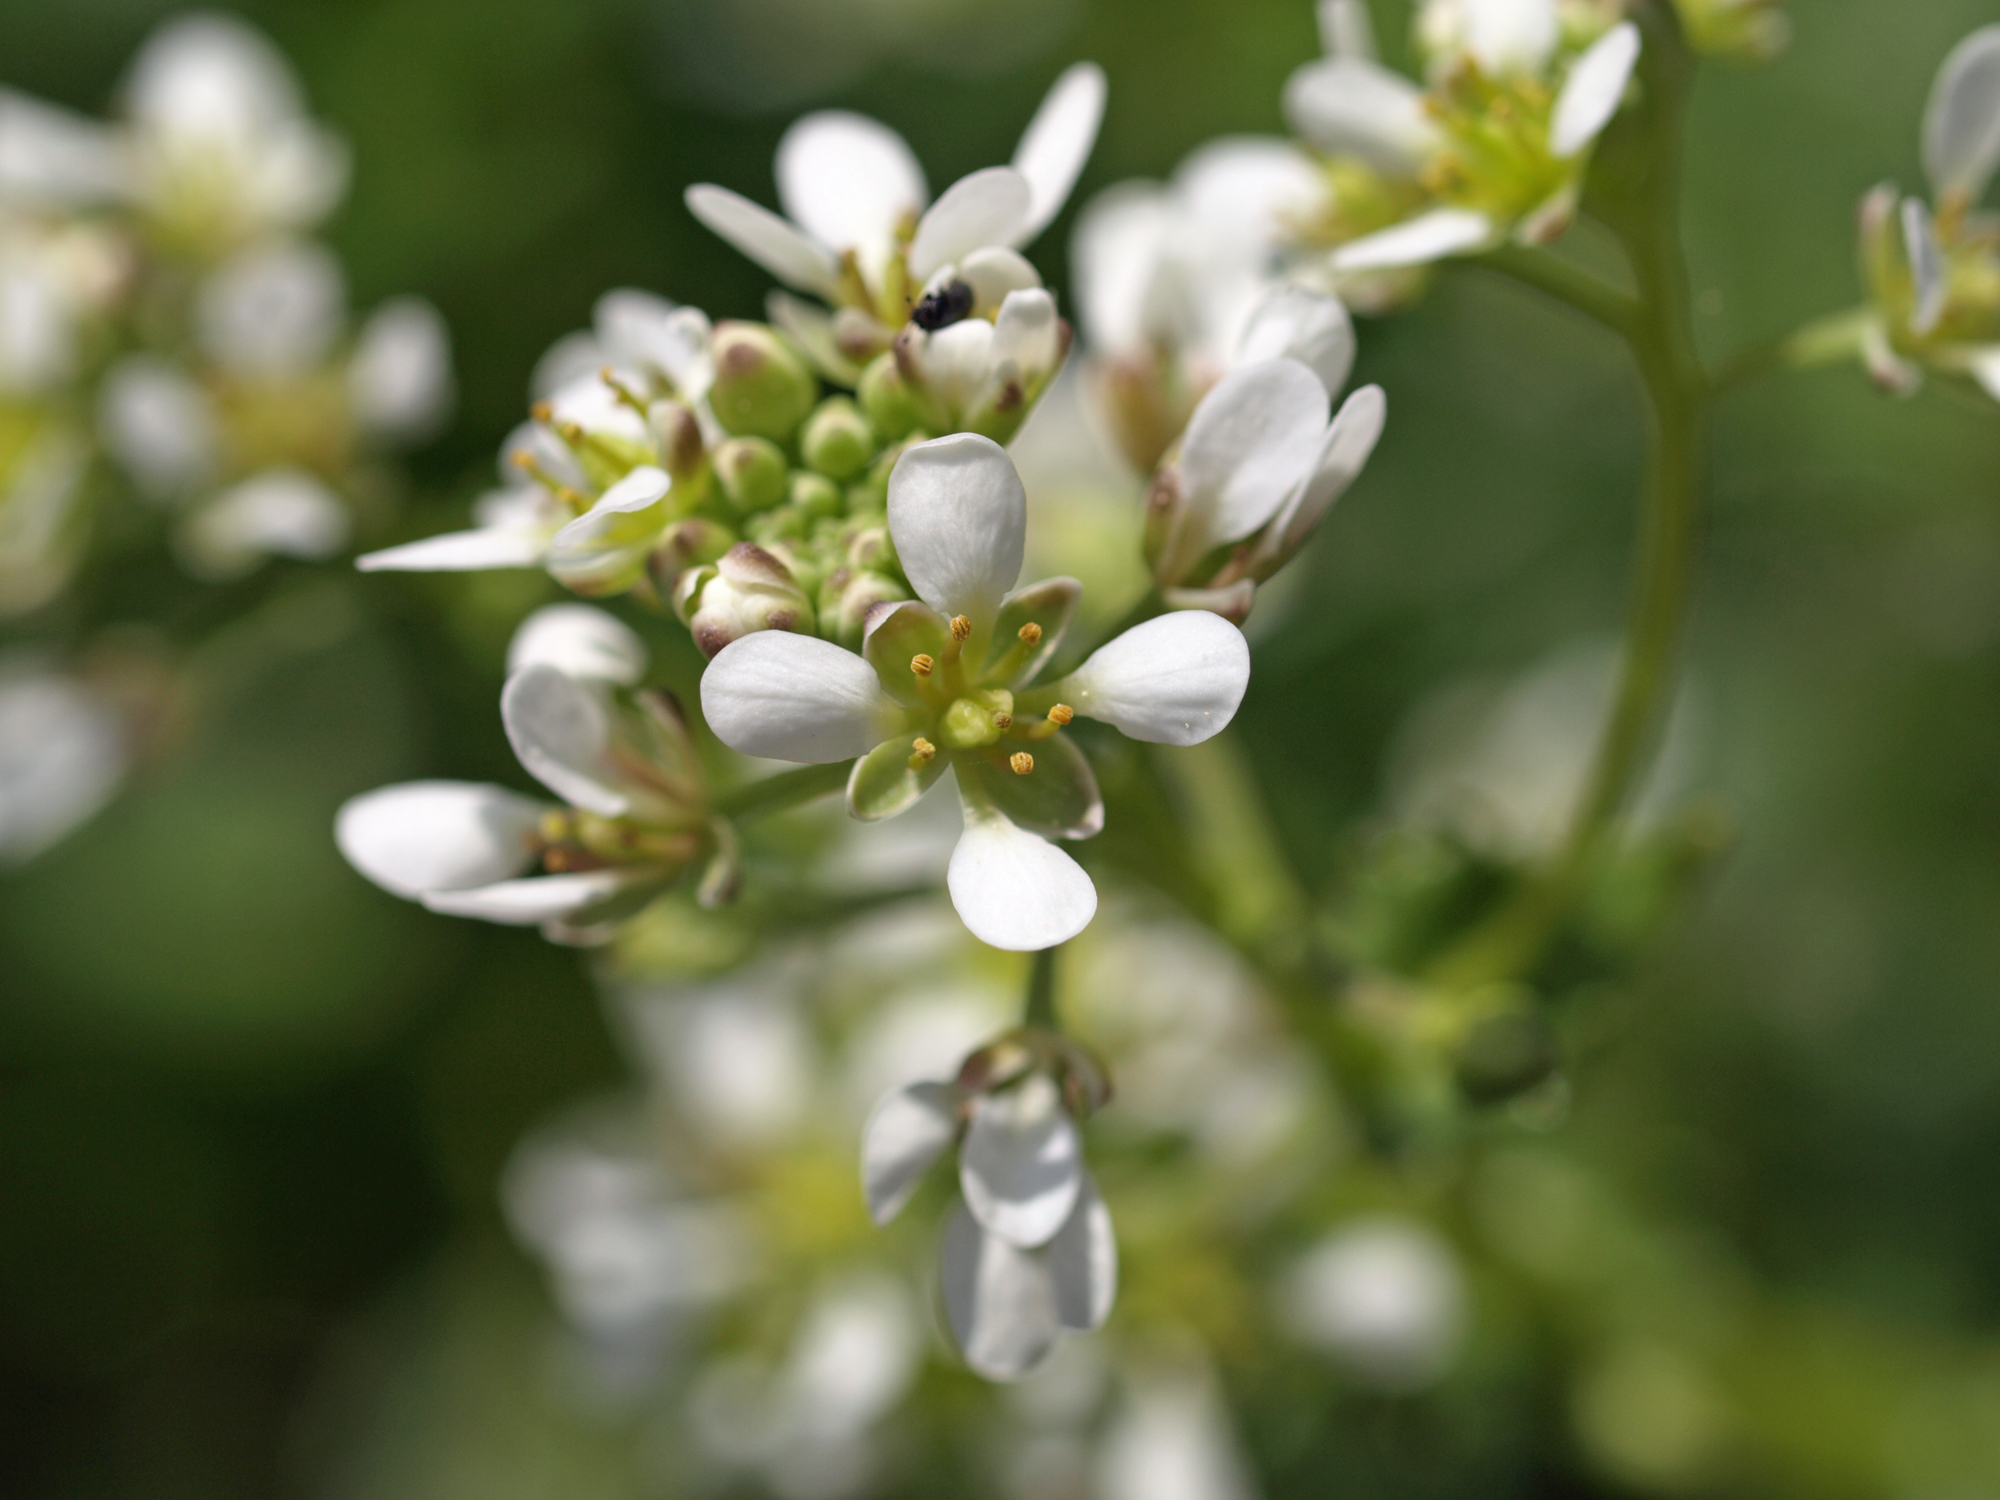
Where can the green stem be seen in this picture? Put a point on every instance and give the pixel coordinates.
(788, 789)
(1618, 311)
(1643, 208)
(1041, 1009)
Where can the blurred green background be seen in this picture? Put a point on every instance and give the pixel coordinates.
(252, 1108)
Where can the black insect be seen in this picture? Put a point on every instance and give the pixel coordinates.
(949, 304)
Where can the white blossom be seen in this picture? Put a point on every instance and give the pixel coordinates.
(273, 311)
(63, 752)
(943, 683)
(282, 512)
(1383, 1296)
(399, 378)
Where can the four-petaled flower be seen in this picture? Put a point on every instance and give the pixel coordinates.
(636, 814)
(944, 682)
(1029, 1251)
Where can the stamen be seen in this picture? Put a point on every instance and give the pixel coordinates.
(1031, 633)
(1022, 762)
(541, 411)
(625, 393)
(571, 433)
(1061, 714)
(922, 664)
(961, 627)
(1003, 721)
(924, 752)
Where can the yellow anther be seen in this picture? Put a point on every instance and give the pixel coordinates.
(922, 664)
(1061, 714)
(571, 432)
(960, 627)
(923, 752)
(1031, 633)
(541, 411)
(1003, 721)
(1022, 762)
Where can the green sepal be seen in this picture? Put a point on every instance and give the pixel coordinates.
(910, 629)
(883, 783)
(1051, 604)
(1058, 799)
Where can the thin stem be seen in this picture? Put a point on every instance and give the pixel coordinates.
(1642, 206)
(1041, 1008)
(1618, 311)
(788, 789)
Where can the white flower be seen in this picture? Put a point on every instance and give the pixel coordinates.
(636, 814)
(581, 642)
(399, 379)
(1171, 1440)
(1257, 470)
(944, 683)
(979, 376)
(274, 311)
(1385, 1297)
(646, 341)
(1030, 1250)
(159, 425)
(52, 158)
(220, 140)
(279, 513)
(62, 753)
(858, 231)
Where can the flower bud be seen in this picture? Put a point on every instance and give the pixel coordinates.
(686, 544)
(746, 591)
(752, 472)
(869, 547)
(762, 388)
(847, 598)
(678, 435)
(814, 495)
(837, 441)
(1166, 500)
(886, 398)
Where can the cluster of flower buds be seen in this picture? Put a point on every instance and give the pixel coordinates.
(1492, 149)
(1029, 1251)
(634, 815)
(161, 300)
(1933, 270)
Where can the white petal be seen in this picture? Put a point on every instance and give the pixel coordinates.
(1927, 269)
(1593, 91)
(1057, 142)
(999, 1299)
(50, 156)
(562, 733)
(1985, 368)
(580, 642)
(1351, 107)
(399, 379)
(849, 181)
(1175, 680)
(1417, 242)
(1511, 35)
(637, 328)
(794, 697)
(1349, 442)
(538, 899)
(1021, 1165)
(904, 1135)
(986, 208)
(959, 519)
(1310, 327)
(1015, 890)
(644, 487)
(774, 243)
(207, 76)
(956, 362)
(1121, 236)
(1252, 439)
(1962, 120)
(158, 424)
(1239, 188)
(1027, 339)
(279, 513)
(993, 273)
(273, 310)
(1083, 1260)
(1345, 30)
(426, 836)
(461, 552)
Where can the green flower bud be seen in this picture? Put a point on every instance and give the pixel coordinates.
(781, 523)
(869, 547)
(686, 544)
(748, 590)
(762, 388)
(814, 495)
(752, 472)
(846, 599)
(887, 400)
(837, 441)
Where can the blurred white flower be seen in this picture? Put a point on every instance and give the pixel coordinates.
(53, 158)
(937, 689)
(220, 140)
(399, 379)
(273, 311)
(734, 1054)
(278, 513)
(1171, 1440)
(1385, 1297)
(62, 754)
(159, 425)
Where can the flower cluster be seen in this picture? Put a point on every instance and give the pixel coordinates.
(162, 304)
(1492, 148)
(635, 814)
(1933, 269)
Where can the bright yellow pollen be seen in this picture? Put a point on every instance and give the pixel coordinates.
(1022, 762)
(960, 627)
(1062, 713)
(922, 665)
(924, 748)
